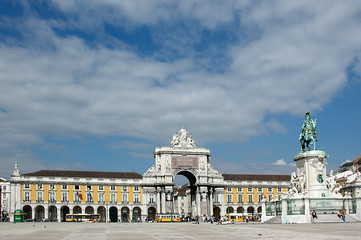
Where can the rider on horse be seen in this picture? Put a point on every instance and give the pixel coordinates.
(308, 133)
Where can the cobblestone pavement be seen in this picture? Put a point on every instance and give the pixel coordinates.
(149, 231)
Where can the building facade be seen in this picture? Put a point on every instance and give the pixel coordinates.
(4, 200)
(129, 196)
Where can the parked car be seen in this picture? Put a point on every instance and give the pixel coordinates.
(29, 220)
(44, 220)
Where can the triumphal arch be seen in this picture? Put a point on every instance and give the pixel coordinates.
(183, 158)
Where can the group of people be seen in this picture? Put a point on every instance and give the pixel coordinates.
(342, 215)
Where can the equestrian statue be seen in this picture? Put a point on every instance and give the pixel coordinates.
(309, 133)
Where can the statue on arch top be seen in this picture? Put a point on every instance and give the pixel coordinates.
(183, 139)
(309, 133)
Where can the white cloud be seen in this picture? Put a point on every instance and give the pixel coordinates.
(289, 58)
(280, 162)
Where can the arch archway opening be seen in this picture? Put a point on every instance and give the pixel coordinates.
(185, 197)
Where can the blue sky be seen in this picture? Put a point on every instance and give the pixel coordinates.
(97, 85)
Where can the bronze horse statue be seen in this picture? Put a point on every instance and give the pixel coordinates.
(309, 134)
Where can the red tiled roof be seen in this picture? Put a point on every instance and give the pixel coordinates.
(255, 177)
(85, 174)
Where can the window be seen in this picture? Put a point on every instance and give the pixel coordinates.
(239, 189)
(26, 186)
(51, 196)
(151, 198)
(259, 189)
(76, 187)
(125, 189)
(101, 197)
(52, 186)
(64, 187)
(270, 197)
(279, 189)
(113, 198)
(125, 198)
(39, 196)
(4, 188)
(270, 189)
(88, 187)
(249, 189)
(136, 189)
(64, 197)
(101, 188)
(136, 198)
(112, 188)
(216, 198)
(76, 197)
(229, 189)
(260, 196)
(250, 198)
(89, 197)
(27, 196)
(240, 198)
(40, 186)
(229, 198)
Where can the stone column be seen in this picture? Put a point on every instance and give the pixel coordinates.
(163, 202)
(264, 214)
(58, 214)
(198, 202)
(358, 208)
(210, 202)
(307, 210)
(284, 210)
(158, 201)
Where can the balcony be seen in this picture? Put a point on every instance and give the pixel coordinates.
(113, 202)
(125, 202)
(39, 201)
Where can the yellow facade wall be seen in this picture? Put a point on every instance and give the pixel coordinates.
(46, 193)
(130, 195)
(107, 193)
(95, 194)
(234, 195)
(71, 193)
(83, 193)
(58, 193)
(118, 189)
(33, 192)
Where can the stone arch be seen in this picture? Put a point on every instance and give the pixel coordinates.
(230, 210)
(39, 213)
(101, 211)
(188, 174)
(113, 214)
(89, 210)
(217, 212)
(259, 209)
(250, 209)
(28, 211)
(53, 211)
(151, 213)
(77, 209)
(137, 213)
(63, 211)
(240, 210)
(125, 214)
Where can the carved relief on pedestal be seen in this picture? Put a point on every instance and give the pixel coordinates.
(297, 183)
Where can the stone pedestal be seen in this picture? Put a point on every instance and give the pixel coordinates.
(311, 173)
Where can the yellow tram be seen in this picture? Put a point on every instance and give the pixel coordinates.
(174, 217)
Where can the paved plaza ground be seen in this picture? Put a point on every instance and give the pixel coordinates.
(150, 231)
